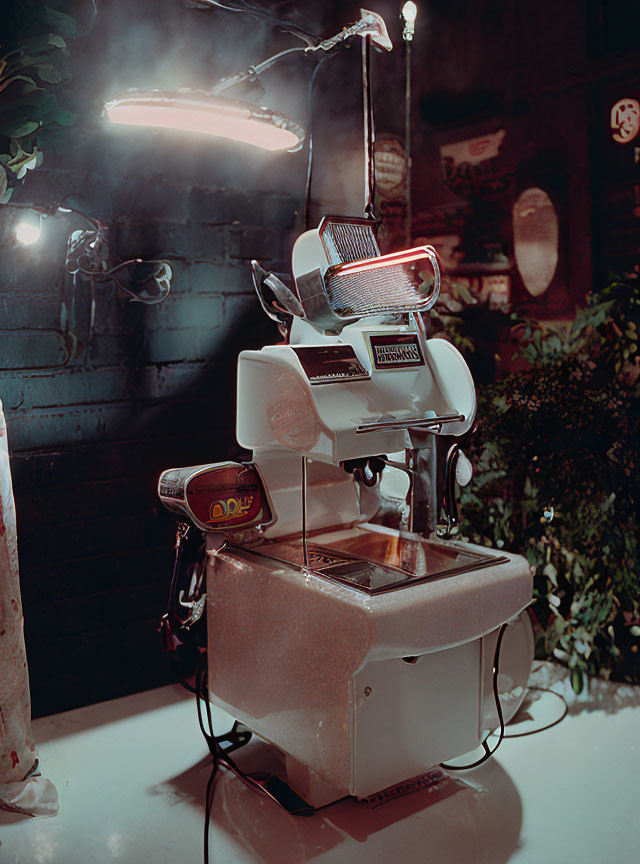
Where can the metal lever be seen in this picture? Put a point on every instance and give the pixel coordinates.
(418, 497)
(289, 305)
(394, 425)
(449, 497)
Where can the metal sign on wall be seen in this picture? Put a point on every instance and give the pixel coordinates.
(473, 165)
(625, 120)
(391, 169)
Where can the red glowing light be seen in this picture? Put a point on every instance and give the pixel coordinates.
(393, 259)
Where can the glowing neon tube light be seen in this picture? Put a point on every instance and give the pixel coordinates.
(204, 114)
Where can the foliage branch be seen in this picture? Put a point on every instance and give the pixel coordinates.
(556, 456)
(33, 60)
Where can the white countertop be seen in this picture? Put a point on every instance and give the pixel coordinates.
(131, 775)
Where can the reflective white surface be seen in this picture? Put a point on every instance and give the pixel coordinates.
(132, 774)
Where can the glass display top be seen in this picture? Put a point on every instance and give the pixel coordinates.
(375, 561)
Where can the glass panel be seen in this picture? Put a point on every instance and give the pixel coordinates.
(373, 561)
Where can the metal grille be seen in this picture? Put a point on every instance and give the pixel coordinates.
(376, 291)
(349, 241)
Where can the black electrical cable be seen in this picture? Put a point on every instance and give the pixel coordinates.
(548, 725)
(171, 620)
(305, 554)
(370, 131)
(201, 694)
(248, 9)
(307, 188)
(496, 694)
(208, 801)
(220, 755)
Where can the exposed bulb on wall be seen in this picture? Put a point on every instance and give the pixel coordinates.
(28, 230)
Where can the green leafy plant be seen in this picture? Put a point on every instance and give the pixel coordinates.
(556, 455)
(33, 60)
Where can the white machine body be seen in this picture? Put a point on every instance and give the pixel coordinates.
(361, 652)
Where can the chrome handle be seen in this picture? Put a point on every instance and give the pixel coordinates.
(394, 425)
(449, 498)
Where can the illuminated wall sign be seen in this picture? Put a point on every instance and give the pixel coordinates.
(473, 150)
(473, 165)
(391, 168)
(625, 120)
(535, 239)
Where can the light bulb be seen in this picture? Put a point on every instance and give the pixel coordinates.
(28, 233)
(409, 12)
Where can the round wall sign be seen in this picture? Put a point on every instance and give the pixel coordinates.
(391, 168)
(535, 239)
(625, 120)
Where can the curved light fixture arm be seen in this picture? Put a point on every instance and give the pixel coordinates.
(370, 26)
(252, 71)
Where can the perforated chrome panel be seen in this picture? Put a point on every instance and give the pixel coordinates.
(370, 292)
(348, 240)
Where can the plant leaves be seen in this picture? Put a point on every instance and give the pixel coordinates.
(18, 129)
(577, 680)
(16, 87)
(59, 22)
(56, 40)
(65, 117)
(49, 73)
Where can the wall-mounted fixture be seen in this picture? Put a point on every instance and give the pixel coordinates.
(89, 254)
(29, 228)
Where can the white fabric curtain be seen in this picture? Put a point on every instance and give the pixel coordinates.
(21, 786)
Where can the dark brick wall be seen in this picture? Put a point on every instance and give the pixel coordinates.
(154, 386)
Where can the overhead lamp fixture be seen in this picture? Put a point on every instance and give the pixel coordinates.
(209, 113)
(204, 113)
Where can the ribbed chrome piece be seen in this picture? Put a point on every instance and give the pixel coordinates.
(376, 291)
(349, 240)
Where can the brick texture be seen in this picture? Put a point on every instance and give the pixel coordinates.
(95, 411)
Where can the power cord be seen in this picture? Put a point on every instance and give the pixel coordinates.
(236, 738)
(307, 188)
(548, 725)
(488, 753)
(502, 734)
(255, 12)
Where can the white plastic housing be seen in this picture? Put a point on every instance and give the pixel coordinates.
(317, 668)
(278, 409)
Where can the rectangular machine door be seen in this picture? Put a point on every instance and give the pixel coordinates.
(409, 716)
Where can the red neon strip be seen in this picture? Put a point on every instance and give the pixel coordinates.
(394, 258)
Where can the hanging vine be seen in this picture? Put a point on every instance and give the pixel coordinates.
(33, 63)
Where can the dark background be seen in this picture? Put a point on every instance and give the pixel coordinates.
(154, 387)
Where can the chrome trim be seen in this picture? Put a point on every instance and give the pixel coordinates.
(394, 425)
